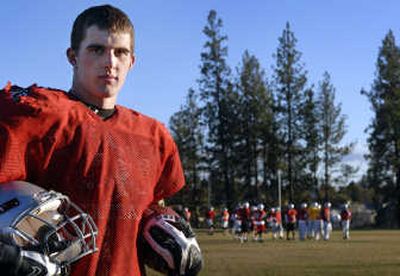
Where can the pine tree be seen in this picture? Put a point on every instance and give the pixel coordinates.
(218, 100)
(312, 140)
(384, 130)
(187, 132)
(290, 81)
(255, 120)
(332, 128)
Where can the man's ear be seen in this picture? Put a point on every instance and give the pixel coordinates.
(71, 56)
(133, 59)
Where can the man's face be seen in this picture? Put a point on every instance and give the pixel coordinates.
(101, 64)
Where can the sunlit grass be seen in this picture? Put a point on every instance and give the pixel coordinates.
(367, 253)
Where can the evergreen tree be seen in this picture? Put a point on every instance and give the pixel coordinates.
(384, 130)
(290, 80)
(216, 93)
(255, 120)
(347, 173)
(332, 128)
(312, 140)
(186, 129)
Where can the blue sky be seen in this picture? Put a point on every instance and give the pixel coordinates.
(341, 37)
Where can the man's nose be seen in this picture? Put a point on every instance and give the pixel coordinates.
(110, 59)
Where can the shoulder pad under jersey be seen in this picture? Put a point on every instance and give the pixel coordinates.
(31, 100)
(16, 92)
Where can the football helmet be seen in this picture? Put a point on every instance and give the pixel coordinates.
(38, 220)
(168, 243)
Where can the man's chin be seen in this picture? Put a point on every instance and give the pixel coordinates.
(107, 92)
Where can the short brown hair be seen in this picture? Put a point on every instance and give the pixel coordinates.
(105, 17)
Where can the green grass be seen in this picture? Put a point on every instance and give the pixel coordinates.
(367, 253)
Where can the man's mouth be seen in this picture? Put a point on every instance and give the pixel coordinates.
(108, 78)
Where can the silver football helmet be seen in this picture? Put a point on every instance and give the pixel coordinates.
(45, 221)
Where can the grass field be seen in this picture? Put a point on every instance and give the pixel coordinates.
(367, 253)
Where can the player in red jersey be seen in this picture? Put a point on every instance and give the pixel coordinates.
(225, 220)
(259, 222)
(271, 221)
(326, 218)
(210, 216)
(345, 216)
(245, 218)
(276, 222)
(111, 161)
(291, 219)
(303, 219)
(237, 222)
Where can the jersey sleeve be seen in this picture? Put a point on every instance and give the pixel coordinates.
(11, 148)
(12, 165)
(172, 178)
(18, 126)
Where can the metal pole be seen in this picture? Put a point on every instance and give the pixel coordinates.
(279, 189)
(209, 193)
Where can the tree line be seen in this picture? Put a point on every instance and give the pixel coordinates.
(240, 131)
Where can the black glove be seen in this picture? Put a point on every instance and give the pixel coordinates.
(17, 262)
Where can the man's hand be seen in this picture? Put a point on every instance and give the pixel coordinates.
(17, 262)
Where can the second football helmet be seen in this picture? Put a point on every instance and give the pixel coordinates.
(168, 243)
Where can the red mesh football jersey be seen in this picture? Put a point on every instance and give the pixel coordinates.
(292, 214)
(113, 168)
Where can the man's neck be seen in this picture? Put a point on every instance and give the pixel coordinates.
(104, 113)
(88, 99)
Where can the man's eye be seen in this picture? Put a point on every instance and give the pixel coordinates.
(121, 52)
(96, 50)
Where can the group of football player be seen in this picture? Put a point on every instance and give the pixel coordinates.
(315, 221)
(248, 221)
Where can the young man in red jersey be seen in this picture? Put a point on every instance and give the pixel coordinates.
(303, 219)
(245, 218)
(345, 219)
(210, 216)
(111, 161)
(259, 222)
(291, 220)
(327, 223)
(225, 216)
